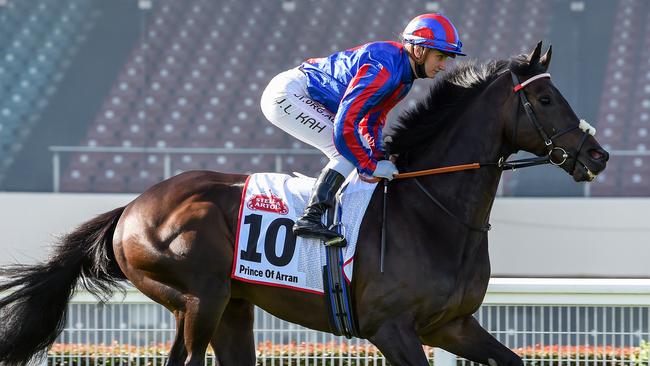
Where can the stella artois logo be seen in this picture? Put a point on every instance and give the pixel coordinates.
(268, 203)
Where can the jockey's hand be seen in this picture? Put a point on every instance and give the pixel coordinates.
(385, 169)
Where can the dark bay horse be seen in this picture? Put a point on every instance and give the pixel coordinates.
(175, 242)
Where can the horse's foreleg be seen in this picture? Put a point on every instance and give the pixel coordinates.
(399, 344)
(233, 342)
(466, 338)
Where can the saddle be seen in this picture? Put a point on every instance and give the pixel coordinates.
(268, 253)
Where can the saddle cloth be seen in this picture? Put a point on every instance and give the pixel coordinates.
(267, 252)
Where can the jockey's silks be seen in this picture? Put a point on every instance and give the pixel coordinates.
(361, 85)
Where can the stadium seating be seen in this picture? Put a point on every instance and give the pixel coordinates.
(625, 103)
(196, 76)
(38, 40)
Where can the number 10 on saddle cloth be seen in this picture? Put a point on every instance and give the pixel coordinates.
(267, 252)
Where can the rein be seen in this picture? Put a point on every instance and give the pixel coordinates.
(502, 163)
(513, 164)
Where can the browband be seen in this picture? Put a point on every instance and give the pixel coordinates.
(523, 85)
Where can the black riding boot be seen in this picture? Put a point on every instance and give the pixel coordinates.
(322, 198)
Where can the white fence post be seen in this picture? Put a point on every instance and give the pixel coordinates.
(443, 358)
(56, 172)
(167, 166)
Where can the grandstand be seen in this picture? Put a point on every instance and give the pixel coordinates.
(625, 102)
(38, 41)
(190, 75)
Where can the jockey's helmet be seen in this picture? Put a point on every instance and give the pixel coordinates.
(433, 31)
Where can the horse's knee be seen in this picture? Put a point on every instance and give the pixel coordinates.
(465, 337)
(514, 360)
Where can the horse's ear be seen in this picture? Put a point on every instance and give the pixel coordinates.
(546, 59)
(533, 58)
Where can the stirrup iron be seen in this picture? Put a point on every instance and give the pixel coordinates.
(338, 241)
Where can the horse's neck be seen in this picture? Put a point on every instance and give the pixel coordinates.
(477, 136)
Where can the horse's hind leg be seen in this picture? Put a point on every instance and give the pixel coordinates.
(178, 353)
(174, 302)
(233, 342)
(202, 315)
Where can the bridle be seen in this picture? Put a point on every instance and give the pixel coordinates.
(518, 88)
(548, 141)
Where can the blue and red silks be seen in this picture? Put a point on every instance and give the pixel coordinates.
(361, 85)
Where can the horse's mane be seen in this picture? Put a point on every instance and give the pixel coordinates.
(447, 98)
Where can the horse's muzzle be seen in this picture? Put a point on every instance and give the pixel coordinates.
(590, 164)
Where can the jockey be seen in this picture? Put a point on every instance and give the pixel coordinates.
(339, 104)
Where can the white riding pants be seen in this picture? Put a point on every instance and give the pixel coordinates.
(286, 103)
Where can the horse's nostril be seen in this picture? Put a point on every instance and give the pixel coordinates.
(597, 154)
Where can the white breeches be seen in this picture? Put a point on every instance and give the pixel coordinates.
(286, 104)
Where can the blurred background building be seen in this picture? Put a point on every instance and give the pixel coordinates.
(146, 78)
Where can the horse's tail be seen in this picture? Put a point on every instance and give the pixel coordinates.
(33, 309)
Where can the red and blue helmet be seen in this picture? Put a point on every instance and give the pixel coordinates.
(433, 31)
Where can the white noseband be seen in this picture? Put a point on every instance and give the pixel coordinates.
(586, 127)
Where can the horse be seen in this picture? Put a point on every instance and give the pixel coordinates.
(175, 242)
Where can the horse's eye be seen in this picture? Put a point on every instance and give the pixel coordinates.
(545, 100)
